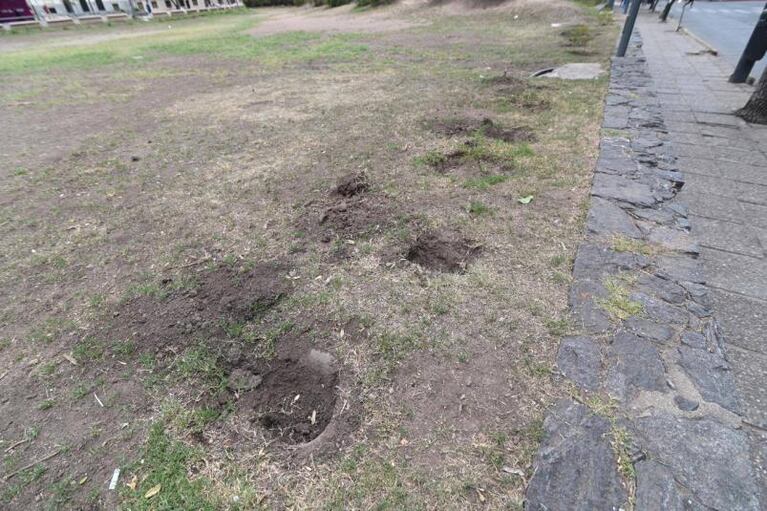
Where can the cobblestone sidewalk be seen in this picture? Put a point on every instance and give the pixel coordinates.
(723, 160)
(669, 406)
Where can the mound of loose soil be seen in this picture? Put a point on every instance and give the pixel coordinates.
(352, 184)
(340, 217)
(292, 396)
(198, 309)
(485, 126)
(441, 251)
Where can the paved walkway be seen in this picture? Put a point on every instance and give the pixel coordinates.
(725, 164)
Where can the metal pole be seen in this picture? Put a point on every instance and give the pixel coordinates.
(628, 27)
(754, 50)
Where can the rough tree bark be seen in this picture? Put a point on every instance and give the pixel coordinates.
(755, 110)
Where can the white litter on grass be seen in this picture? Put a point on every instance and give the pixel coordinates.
(115, 477)
(556, 25)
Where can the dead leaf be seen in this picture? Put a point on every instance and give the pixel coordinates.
(525, 200)
(82, 481)
(132, 483)
(154, 490)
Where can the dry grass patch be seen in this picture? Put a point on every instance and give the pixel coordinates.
(238, 259)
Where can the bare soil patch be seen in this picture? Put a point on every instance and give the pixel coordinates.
(485, 127)
(179, 310)
(329, 21)
(443, 251)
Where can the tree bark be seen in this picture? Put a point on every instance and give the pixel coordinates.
(666, 10)
(755, 110)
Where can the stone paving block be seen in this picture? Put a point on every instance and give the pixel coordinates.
(587, 314)
(656, 488)
(575, 468)
(580, 359)
(606, 218)
(664, 289)
(713, 206)
(634, 363)
(736, 273)
(750, 174)
(743, 320)
(696, 165)
(755, 215)
(711, 375)
(651, 330)
(660, 311)
(621, 189)
(708, 458)
(727, 236)
(737, 155)
(750, 372)
(729, 188)
(681, 268)
(594, 262)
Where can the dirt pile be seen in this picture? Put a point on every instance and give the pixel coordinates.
(169, 317)
(485, 126)
(443, 251)
(352, 184)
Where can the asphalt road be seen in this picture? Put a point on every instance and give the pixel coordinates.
(724, 25)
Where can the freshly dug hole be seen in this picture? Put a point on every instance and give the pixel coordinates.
(293, 397)
(443, 252)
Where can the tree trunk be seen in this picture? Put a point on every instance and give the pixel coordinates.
(755, 110)
(666, 10)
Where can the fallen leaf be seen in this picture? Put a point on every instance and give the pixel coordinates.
(515, 471)
(525, 200)
(132, 483)
(82, 481)
(154, 490)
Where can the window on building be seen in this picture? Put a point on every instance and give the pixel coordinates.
(194, 2)
(154, 4)
(167, 4)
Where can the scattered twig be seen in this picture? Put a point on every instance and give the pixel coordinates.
(30, 465)
(14, 445)
(3, 375)
(98, 400)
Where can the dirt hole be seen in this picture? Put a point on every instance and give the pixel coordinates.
(352, 184)
(442, 251)
(293, 397)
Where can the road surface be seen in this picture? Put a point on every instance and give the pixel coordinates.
(724, 25)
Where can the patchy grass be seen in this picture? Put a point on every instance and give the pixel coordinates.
(618, 304)
(624, 244)
(166, 463)
(201, 149)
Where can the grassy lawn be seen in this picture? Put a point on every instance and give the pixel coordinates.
(262, 268)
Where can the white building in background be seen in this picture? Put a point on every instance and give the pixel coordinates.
(56, 8)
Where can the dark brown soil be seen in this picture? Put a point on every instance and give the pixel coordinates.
(485, 126)
(292, 396)
(339, 218)
(442, 251)
(199, 309)
(352, 184)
